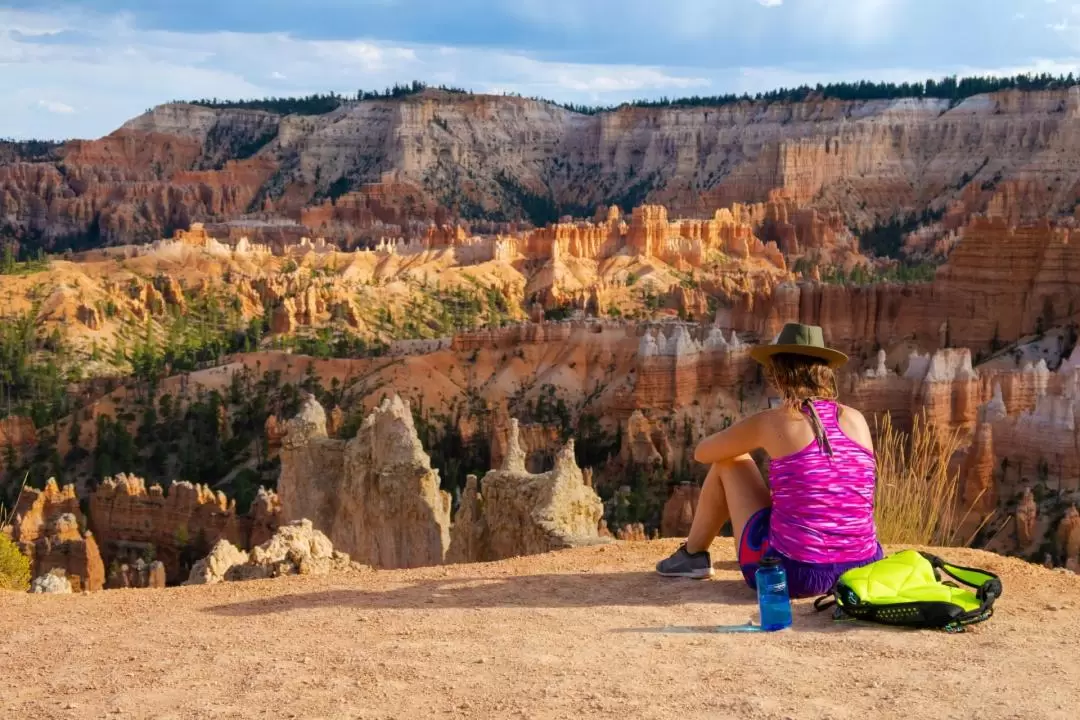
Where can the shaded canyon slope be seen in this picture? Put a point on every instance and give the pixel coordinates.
(438, 156)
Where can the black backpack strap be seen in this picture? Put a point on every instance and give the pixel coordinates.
(987, 587)
(828, 600)
(825, 602)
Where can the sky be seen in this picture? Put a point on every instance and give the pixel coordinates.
(81, 69)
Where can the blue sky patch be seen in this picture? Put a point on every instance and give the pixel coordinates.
(81, 69)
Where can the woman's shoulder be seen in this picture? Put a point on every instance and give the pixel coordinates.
(851, 412)
(855, 425)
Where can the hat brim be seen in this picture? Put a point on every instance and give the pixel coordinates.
(835, 358)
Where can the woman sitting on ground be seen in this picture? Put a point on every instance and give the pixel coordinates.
(819, 517)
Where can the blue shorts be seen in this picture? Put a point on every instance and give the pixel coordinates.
(804, 579)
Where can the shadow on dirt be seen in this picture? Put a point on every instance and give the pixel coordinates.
(643, 589)
(578, 590)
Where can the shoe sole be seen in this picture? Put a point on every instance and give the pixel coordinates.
(692, 574)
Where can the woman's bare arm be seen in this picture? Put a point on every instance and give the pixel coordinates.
(739, 439)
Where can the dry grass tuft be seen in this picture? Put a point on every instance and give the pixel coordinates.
(917, 494)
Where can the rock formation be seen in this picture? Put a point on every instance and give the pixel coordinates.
(1001, 282)
(679, 511)
(54, 582)
(540, 443)
(47, 528)
(880, 370)
(638, 443)
(376, 496)
(632, 533)
(131, 520)
(295, 549)
(275, 432)
(265, 516)
(995, 410)
(1040, 444)
(212, 569)
(513, 512)
(1027, 514)
(978, 490)
(1068, 536)
(139, 574)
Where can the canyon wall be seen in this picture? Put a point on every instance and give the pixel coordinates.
(675, 371)
(1003, 281)
(403, 159)
(1000, 282)
(944, 385)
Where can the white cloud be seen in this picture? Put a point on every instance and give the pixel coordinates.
(56, 107)
(860, 23)
(106, 70)
(850, 22)
(573, 14)
(122, 71)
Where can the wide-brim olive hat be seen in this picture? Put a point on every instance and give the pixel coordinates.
(798, 339)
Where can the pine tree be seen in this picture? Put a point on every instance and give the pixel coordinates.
(7, 261)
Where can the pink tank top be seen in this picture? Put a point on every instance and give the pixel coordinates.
(823, 505)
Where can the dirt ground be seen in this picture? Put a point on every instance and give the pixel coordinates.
(581, 634)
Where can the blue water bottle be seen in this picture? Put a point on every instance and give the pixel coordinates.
(772, 591)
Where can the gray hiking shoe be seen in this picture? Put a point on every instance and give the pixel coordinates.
(686, 565)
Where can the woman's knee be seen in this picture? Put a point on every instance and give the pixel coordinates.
(737, 461)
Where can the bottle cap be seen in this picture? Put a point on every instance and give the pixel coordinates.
(769, 562)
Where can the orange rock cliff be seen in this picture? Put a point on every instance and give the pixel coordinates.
(175, 527)
(858, 157)
(49, 528)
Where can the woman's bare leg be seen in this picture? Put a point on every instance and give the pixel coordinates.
(733, 489)
(744, 489)
(710, 515)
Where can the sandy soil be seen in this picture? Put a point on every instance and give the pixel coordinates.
(581, 634)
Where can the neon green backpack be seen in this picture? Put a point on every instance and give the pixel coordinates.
(905, 589)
